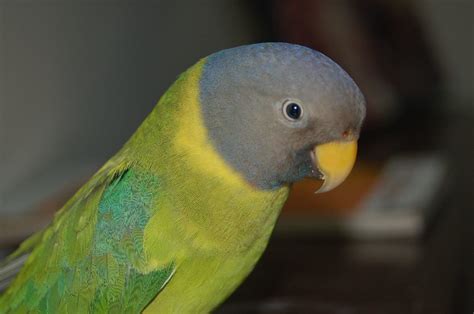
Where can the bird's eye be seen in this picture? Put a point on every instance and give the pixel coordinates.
(292, 111)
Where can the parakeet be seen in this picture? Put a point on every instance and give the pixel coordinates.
(177, 219)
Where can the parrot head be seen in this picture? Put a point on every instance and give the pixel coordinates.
(280, 112)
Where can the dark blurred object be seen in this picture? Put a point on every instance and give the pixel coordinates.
(381, 44)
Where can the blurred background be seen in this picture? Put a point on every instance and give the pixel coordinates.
(77, 77)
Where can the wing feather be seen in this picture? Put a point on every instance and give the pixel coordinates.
(91, 257)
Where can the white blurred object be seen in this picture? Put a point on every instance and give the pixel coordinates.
(397, 206)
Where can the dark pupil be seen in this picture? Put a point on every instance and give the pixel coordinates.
(293, 111)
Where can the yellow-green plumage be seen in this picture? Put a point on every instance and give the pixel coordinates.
(165, 226)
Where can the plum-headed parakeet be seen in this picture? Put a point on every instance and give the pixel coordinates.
(177, 219)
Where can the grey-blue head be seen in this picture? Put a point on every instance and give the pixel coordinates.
(267, 106)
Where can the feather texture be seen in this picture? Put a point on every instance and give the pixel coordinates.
(90, 259)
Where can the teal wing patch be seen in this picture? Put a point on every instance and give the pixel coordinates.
(90, 258)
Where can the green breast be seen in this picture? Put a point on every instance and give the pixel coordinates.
(206, 274)
(221, 223)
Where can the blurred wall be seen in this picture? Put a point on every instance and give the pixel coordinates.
(451, 26)
(77, 78)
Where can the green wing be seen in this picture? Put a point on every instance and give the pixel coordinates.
(89, 259)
